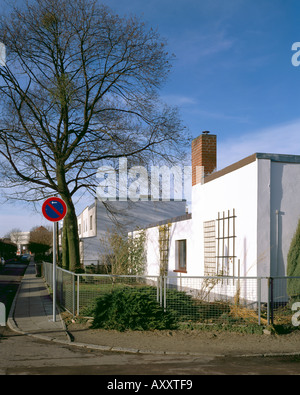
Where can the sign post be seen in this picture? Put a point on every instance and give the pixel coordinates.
(54, 209)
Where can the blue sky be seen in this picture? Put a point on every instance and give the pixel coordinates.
(232, 75)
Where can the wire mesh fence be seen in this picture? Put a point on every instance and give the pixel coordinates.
(213, 299)
(192, 300)
(65, 286)
(92, 286)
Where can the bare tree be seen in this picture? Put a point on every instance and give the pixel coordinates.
(15, 235)
(80, 89)
(40, 240)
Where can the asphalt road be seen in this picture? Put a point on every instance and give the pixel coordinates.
(24, 355)
(10, 278)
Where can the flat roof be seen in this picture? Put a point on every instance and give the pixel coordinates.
(252, 158)
(179, 218)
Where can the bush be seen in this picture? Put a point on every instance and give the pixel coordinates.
(131, 308)
(293, 266)
(185, 308)
(181, 305)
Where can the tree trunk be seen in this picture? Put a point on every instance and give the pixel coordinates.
(64, 247)
(70, 246)
(70, 239)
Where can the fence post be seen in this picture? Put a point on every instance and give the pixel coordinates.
(272, 300)
(259, 299)
(165, 293)
(78, 281)
(268, 302)
(160, 291)
(73, 293)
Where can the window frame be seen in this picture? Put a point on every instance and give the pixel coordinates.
(179, 255)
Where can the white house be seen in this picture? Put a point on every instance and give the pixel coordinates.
(97, 220)
(21, 239)
(242, 222)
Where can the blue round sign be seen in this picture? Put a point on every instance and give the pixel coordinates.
(54, 209)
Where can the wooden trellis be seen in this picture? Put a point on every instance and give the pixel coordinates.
(209, 230)
(225, 257)
(164, 242)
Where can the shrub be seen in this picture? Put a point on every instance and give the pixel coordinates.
(185, 308)
(293, 266)
(131, 308)
(181, 305)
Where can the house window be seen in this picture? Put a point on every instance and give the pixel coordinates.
(79, 229)
(91, 222)
(180, 255)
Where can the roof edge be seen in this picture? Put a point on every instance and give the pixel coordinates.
(230, 168)
(284, 158)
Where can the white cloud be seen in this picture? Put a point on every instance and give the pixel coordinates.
(178, 100)
(280, 139)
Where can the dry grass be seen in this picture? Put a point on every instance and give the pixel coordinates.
(245, 314)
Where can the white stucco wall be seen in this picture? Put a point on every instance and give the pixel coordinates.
(278, 214)
(234, 190)
(263, 217)
(87, 222)
(178, 230)
(285, 192)
(265, 196)
(152, 251)
(257, 192)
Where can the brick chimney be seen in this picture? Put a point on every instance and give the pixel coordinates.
(204, 156)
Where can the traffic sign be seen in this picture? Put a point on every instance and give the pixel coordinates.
(54, 209)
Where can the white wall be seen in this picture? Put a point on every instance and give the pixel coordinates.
(263, 217)
(178, 230)
(265, 195)
(285, 192)
(235, 190)
(152, 251)
(87, 222)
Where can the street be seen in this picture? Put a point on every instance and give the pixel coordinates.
(10, 278)
(25, 355)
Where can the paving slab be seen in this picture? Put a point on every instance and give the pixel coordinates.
(32, 310)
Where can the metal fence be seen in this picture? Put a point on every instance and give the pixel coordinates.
(193, 300)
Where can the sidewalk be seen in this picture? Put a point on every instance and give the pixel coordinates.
(32, 310)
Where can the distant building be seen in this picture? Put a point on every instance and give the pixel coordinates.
(97, 220)
(21, 239)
